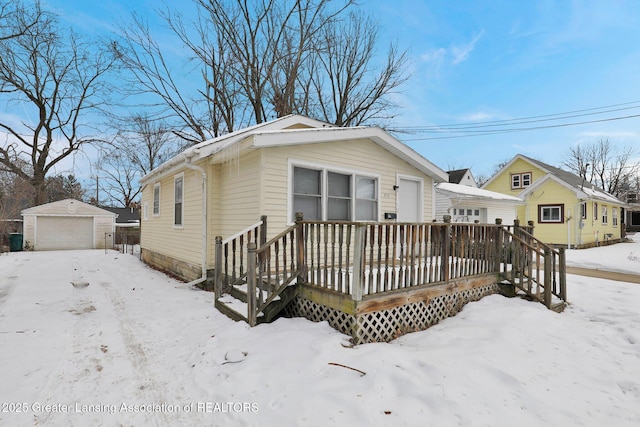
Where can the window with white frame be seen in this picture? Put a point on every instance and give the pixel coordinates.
(595, 211)
(551, 213)
(520, 180)
(322, 194)
(178, 195)
(605, 214)
(156, 199)
(145, 211)
(614, 216)
(583, 210)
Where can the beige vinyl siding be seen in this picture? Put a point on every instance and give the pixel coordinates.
(159, 233)
(361, 156)
(239, 189)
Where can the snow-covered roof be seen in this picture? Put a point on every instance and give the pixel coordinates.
(298, 130)
(475, 193)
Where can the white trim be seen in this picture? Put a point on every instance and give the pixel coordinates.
(325, 168)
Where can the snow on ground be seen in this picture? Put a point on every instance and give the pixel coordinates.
(136, 348)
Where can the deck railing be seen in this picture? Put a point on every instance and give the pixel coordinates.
(359, 259)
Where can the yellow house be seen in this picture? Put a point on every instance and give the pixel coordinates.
(565, 210)
(293, 164)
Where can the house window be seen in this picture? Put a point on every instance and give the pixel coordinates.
(339, 197)
(595, 211)
(583, 210)
(605, 215)
(366, 199)
(321, 194)
(550, 213)
(307, 193)
(520, 180)
(178, 190)
(614, 215)
(145, 211)
(156, 199)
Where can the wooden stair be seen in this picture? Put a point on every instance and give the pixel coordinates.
(234, 304)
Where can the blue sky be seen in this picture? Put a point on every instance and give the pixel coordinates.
(474, 62)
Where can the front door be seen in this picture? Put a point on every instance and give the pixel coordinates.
(409, 200)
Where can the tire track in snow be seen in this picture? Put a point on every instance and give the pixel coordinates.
(150, 391)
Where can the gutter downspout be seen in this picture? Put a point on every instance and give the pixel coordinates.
(205, 232)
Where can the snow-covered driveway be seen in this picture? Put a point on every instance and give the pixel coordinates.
(136, 348)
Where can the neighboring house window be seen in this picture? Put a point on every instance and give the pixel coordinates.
(595, 211)
(550, 213)
(605, 215)
(583, 210)
(327, 195)
(178, 190)
(520, 180)
(156, 199)
(614, 215)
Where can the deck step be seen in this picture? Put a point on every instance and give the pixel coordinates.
(234, 304)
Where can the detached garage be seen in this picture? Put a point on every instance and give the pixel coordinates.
(67, 224)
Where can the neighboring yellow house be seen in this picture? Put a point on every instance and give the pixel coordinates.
(293, 164)
(566, 210)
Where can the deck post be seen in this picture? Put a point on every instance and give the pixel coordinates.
(251, 284)
(358, 262)
(217, 273)
(498, 239)
(445, 265)
(300, 250)
(263, 231)
(562, 261)
(548, 285)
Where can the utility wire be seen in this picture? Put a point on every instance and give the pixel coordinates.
(522, 129)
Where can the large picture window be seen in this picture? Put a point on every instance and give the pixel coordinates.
(551, 213)
(178, 186)
(322, 194)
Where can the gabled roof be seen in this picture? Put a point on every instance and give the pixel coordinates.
(582, 188)
(125, 215)
(456, 176)
(67, 207)
(473, 193)
(295, 130)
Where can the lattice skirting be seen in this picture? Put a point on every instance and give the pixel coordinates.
(386, 325)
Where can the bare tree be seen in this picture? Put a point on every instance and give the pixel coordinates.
(259, 60)
(16, 20)
(600, 163)
(57, 80)
(349, 91)
(140, 147)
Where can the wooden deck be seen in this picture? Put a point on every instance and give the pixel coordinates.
(376, 281)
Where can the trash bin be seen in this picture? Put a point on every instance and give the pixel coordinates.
(15, 242)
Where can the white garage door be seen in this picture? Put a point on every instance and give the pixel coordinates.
(57, 232)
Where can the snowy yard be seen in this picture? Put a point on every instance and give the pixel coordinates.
(137, 348)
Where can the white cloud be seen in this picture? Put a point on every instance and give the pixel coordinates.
(461, 53)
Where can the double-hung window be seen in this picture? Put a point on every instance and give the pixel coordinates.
(605, 215)
(614, 216)
(520, 180)
(327, 195)
(583, 210)
(178, 192)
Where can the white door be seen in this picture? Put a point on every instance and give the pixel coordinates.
(409, 200)
(56, 232)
